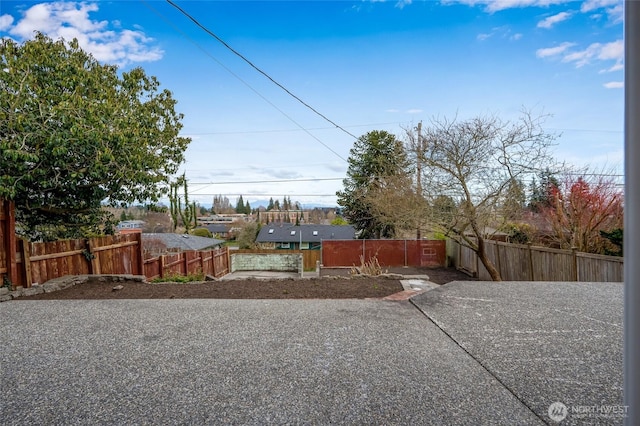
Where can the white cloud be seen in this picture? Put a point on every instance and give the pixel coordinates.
(613, 8)
(554, 19)
(590, 5)
(498, 5)
(5, 22)
(71, 20)
(553, 51)
(598, 51)
(503, 32)
(619, 66)
(613, 50)
(402, 3)
(614, 85)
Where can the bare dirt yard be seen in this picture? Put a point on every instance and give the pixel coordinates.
(335, 286)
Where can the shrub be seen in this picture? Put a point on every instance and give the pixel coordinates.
(520, 233)
(202, 232)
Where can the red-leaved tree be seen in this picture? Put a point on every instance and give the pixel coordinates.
(581, 209)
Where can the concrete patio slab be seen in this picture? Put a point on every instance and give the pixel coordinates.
(547, 342)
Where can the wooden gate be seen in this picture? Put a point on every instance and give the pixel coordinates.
(432, 253)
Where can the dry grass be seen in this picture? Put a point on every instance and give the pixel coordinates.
(371, 267)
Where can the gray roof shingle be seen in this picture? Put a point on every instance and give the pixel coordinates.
(183, 242)
(277, 233)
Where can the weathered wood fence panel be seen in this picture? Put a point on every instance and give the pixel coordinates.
(23, 263)
(552, 264)
(530, 263)
(208, 262)
(310, 257)
(345, 253)
(598, 268)
(112, 254)
(518, 258)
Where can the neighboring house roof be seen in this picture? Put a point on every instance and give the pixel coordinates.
(129, 224)
(183, 241)
(218, 228)
(310, 233)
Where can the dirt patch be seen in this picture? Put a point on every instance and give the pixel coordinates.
(325, 287)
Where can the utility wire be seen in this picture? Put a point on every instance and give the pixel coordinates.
(266, 181)
(252, 65)
(242, 81)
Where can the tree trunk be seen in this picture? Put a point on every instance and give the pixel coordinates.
(482, 255)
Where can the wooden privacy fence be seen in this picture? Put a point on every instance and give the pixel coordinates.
(208, 262)
(113, 254)
(517, 262)
(309, 257)
(417, 253)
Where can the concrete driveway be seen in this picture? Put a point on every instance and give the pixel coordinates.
(283, 362)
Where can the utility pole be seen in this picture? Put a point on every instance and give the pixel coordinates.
(419, 172)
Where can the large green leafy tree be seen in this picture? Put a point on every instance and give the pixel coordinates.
(74, 133)
(376, 159)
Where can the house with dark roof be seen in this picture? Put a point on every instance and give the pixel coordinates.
(164, 243)
(305, 237)
(221, 230)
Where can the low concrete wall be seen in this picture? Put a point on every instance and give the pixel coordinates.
(266, 262)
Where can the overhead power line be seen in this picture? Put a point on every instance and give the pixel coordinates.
(252, 65)
(242, 81)
(266, 181)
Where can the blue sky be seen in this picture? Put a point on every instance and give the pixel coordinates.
(365, 65)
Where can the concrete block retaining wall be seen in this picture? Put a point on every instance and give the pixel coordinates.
(266, 262)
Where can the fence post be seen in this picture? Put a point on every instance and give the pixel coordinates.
(531, 270)
(26, 262)
(139, 253)
(405, 251)
(161, 262)
(498, 258)
(10, 232)
(94, 263)
(574, 256)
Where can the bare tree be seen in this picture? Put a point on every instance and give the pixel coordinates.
(470, 169)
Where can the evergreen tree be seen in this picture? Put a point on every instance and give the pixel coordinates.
(376, 158)
(271, 205)
(240, 205)
(542, 195)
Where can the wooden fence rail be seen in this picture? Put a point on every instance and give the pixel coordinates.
(113, 254)
(23, 263)
(209, 262)
(517, 262)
